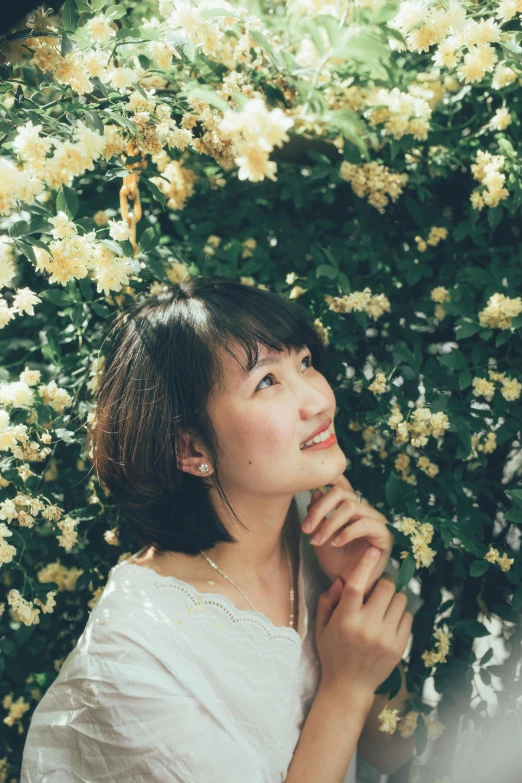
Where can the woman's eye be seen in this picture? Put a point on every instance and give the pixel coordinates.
(307, 358)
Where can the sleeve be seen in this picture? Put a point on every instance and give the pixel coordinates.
(121, 720)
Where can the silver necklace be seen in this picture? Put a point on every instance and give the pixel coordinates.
(211, 562)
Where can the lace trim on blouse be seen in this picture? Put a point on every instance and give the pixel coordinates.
(223, 603)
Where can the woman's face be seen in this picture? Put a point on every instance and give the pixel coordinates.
(261, 420)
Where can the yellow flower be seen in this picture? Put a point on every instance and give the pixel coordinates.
(483, 388)
(511, 389)
(379, 384)
(389, 720)
(505, 562)
(440, 294)
(492, 555)
(408, 724)
(501, 119)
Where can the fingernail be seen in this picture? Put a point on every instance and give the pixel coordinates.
(315, 539)
(307, 526)
(373, 551)
(336, 542)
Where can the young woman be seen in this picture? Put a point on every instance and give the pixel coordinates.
(222, 652)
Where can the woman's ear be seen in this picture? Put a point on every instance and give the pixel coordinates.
(192, 455)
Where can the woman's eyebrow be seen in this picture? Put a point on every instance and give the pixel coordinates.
(271, 358)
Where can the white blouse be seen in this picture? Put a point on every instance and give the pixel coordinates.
(169, 684)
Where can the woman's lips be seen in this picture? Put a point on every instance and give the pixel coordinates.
(325, 444)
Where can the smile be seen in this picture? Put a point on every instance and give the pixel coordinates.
(323, 441)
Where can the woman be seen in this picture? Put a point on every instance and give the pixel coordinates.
(200, 661)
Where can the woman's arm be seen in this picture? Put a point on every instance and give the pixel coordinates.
(329, 737)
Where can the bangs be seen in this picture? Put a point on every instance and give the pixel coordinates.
(253, 317)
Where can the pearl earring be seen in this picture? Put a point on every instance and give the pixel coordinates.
(203, 468)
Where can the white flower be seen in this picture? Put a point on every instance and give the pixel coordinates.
(7, 262)
(122, 78)
(17, 394)
(4, 420)
(501, 119)
(99, 28)
(24, 301)
(119, 230)
(63, 227)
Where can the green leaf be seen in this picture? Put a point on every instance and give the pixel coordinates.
(67, 201)
(331, 26)
(84, 579)
(210, 12)
(98, 4)
(514, 515)
(488, 655)
(262, 41)
(115, 12)
(416, 211)
(455, 360)
(363, 47)
(516, 496)
(479, 567)
(465, 379)
(517, 599)
(150, 33)
(156, 192)
(209, 96)
(406, 572)
(100, 309)
(93, 120)
(324, 270)
(467, 330)
(86, 288)
(471, 628)
(311, 28)
(420, 737)
(57, 297)
(148, 240)
(506, 147)
(394, 490)
(70, 16)
(19, 229)
(494, 217)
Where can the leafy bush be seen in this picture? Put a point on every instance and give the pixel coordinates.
(362, 157)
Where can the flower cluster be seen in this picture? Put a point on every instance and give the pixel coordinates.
(375, 305)
(440, 294)
(423, 424)
(510, 389)
(435, 236)
(374, 182)
(499, 311)
(254, 132)
(462, 43)
(441, 650)
(378, 385)
(390, 720)
(64, 577)
(400, 113)
(16, 710)
(420, 537)
(487, 170)
(493, 556)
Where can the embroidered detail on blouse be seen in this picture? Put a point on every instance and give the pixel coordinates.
(220, 601)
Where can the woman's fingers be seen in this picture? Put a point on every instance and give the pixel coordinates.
(372, 529)
(346, 513)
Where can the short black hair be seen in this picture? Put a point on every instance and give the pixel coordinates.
(160, 368)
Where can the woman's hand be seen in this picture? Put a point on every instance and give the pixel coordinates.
(356, 525)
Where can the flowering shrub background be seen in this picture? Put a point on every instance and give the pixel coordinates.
(360, 156)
